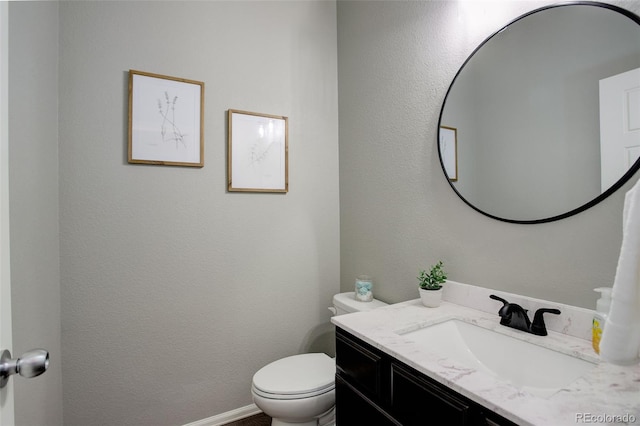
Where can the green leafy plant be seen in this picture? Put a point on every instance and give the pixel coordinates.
(433, 279)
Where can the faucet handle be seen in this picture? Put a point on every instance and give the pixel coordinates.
(494, 297)
(538, 327)
(504, 311)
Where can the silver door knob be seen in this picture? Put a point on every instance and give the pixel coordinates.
(31, 364)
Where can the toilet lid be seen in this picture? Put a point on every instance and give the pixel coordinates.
(296, 374)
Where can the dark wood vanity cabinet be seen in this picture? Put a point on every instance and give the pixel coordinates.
(374, 389)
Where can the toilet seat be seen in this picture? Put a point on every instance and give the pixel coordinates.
(283, 397)
(296, 377)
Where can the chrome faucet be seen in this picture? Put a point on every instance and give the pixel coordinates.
(515, 316)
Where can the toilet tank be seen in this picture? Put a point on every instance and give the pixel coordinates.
(345, 303)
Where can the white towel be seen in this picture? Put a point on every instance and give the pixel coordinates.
(620, 342)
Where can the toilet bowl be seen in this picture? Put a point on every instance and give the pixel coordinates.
(296, 390)
(300, 389)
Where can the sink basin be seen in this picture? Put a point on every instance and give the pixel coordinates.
(535, 369)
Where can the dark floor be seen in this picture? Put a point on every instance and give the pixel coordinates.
(257, 420)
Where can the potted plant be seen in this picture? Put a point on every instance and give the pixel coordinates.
(430, 285)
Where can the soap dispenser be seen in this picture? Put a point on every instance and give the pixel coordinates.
(599, 318)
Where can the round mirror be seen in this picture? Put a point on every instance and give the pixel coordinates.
(542, 121)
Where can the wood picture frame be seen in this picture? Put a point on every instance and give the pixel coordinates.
(448, 140)
(258, 152)
(166, 120)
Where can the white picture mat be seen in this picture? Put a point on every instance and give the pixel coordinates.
(172, 107)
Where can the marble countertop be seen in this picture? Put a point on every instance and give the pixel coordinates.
(608, 394)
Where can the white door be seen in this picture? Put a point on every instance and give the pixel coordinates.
(619, 125)
(6, 393)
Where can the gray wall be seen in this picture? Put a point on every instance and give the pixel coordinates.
(397, 212)
(33, 193)
(174, 292)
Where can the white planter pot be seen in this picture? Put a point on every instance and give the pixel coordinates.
(431, 298)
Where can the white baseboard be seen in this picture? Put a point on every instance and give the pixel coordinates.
(228, 417)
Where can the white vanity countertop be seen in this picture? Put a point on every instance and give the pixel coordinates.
(608, 394)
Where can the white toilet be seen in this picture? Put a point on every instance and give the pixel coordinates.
(300, 389)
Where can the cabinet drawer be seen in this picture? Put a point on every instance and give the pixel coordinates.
(359, 364)
(489, 418)
(417, 401)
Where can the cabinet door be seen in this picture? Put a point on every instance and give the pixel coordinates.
(353, 408)
(360, 365)
(416, 401)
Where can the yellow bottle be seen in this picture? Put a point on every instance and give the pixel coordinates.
(600, 317)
